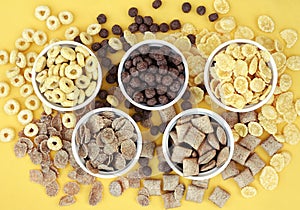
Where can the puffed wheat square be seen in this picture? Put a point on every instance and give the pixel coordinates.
(250, 142)
(194, 194)
(153, 186)
(194, 137)
(230, 171)
(246, 117)
(148, 150)
(255, 164)
(240, 154)
(219, 196)
(201, 183)
(271, 146)
(170, 201)
(167, 114)
(170, 181)
(244, 178)
(190, 167)
(231, 118)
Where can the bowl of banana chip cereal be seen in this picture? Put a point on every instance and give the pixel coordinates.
(198, 144)
(66, 76)
(106, 142)
(240, 75)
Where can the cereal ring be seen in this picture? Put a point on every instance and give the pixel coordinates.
(11, 107)
(12, 72)
(31, 130)
(71, 33)
(25, 116)
(3, 57)
(7, 134)
(73, 71)
(32, 102)
(90, 90)
(86, 38)
(28, 74)
(69, 103)
(40, 64)
(56, 69)
(81, 97)
(81, 49)
(21, 60)
(52, 23)
(58, 95)
(62, 69)
(47, 109)
(42, 12)
(68, 53)
(69, 120)
(73, 95)
(21, 44)
(60, 59)
(51, 82)
(13, 56)
(66, 85)
(95, 75)
(54, 51)
(4, 89)
(93, 29)
(65, 17)
(27, 34)
(54, 40)
(48, 95)
(54, 143)
(17, 81)
(26, 90)
(115, 43)
(41, 76)
(40, 38)
(30, 58)
(82, 82)
(91, 64)
(80, 59)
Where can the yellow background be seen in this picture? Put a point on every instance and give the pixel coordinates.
(18, 193)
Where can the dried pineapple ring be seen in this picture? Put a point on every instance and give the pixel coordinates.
(249, 192)
(290, 36)
(268, 178)
(277, 162)
(266, 23)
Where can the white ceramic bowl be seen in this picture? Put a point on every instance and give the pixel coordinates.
(109, 174)
(153, 43)
(207, 77)
(213, 116)
(56, 106)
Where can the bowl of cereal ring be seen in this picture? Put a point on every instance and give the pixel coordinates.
(198, 144)
(66, 76)
(240, 75)
(106, 142)
(153, 75)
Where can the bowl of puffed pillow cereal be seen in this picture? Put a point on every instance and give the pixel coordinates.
(66, 76)
(240, 75)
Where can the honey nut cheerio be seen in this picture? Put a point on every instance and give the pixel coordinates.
(7, 134)
(4, 89)
(65, 17)
(12, 107)
(3, 57)
(42, 12)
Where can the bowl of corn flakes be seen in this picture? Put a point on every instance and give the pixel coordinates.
(106, 142)
(66, 76)
(240, 75)
(198, 144)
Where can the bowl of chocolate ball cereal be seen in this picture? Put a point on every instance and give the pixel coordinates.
(66, 76)
(198, 144)
(153, 75)
(106, 142)
(240, 75)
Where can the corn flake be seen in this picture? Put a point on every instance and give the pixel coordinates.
(265, 41)
(290, 37)
(243, 32)
(269, 125)
(268, 178)
(255, 129)
(285, 82)
(227, 23)
(227, 90)
(225, 62)
(277, 162)
(221, 6)
(188, 28)
(291, 133)
(240, 84)
(241, 129)
(240, 68)
(211, 43)
(297, 106)
(197, 93)
(280, 59)
(257, 85)
(283, 102)
(269, 112)
(253, 66)
(266, 23)
(293, 63)
(183, 43)
(279, 137)
(249, 50)
(287, 157)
